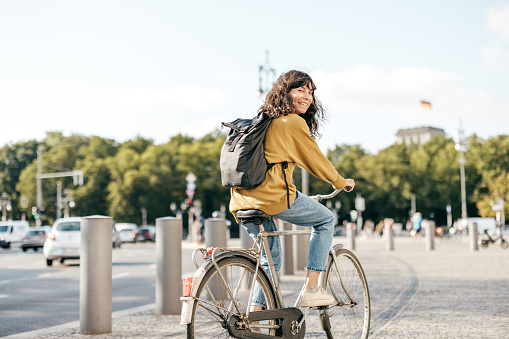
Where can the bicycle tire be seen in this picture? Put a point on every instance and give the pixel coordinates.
(207, 322)
(503, 244)
(351, 315)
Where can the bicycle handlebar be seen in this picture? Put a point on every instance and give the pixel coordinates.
(320, 197)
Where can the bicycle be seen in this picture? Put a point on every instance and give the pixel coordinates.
(486, 242)
(447, 234)
(217, 304)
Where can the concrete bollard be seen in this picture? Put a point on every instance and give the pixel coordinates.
(95, 275)
(301, 248)
(389, 245)
(245, 239)
(350, 235)
(473, 236)
(169, 265)
(215, 236)
(215, 232)
(429, 227)
(287, 248)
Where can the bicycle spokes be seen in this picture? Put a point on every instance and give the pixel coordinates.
(223, 294)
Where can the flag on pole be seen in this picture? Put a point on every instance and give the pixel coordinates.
(425, 105)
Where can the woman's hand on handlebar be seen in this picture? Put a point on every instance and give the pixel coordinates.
(349, 185)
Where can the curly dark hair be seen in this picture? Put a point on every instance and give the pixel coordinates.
(279, 102)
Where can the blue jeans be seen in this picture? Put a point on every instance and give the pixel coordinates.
(303, 212)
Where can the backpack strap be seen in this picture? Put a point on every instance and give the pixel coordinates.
(235, 141)
(284, 165)
(230, 125)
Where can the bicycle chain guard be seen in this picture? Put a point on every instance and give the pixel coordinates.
(287, 319)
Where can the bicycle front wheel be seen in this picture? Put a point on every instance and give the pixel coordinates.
(351, 314)
(503, 244)
(218, 299)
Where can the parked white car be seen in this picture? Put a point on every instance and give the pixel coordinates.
(122, 225)
(127, 234)
(63, 241)
(126, 231)
(12, 232)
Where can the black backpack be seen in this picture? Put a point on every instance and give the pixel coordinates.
(242, 160)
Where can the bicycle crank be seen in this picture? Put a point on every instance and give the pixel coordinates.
(286, 318)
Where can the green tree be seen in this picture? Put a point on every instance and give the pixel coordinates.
(202, 158)
(491, 161)
(58, 154)
(14, 158)
(94, 160)
(126, 188)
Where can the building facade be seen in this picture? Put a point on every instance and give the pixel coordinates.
(418, 135)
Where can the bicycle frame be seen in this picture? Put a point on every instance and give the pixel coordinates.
(255, 253)
(264, 244)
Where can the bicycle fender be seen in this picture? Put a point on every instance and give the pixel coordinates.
(188, 302)
(332, 252)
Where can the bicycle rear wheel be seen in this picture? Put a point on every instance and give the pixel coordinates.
(214, 304)
(350, 316)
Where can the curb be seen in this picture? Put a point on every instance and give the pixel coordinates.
(76, 324)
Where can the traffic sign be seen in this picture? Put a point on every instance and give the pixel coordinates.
(360, 204)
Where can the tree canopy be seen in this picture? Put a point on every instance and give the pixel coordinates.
(121, 179)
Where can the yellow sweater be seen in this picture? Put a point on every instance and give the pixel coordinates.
(287, 139)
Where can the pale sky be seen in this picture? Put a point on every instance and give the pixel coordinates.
(121, 69)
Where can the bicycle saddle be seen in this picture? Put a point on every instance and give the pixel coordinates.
(254, 216)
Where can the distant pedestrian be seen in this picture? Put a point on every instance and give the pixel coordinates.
(379, 229)
(416, 222)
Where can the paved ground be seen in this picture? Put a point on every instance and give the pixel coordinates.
(451, 292)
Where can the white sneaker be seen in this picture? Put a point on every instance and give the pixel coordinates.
(318, 298)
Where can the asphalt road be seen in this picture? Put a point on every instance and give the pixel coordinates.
(34, 296)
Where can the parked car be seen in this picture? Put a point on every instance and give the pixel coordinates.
(116, 238)
(152, 229)
(34, 239)
(144, 234)
(12, 232)
(64, 240)
(127, 234)
(129, 225)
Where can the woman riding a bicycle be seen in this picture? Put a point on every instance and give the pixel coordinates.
(290, 139)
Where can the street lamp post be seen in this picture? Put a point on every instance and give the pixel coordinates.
(77, 179)
(264, 73)
(190, 189)
(38, 221)
(360, 206)
(6, 205)
(498, 207)
(67, 202)
(462, 148)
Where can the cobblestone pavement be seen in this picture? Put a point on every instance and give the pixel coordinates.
(451, 292)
